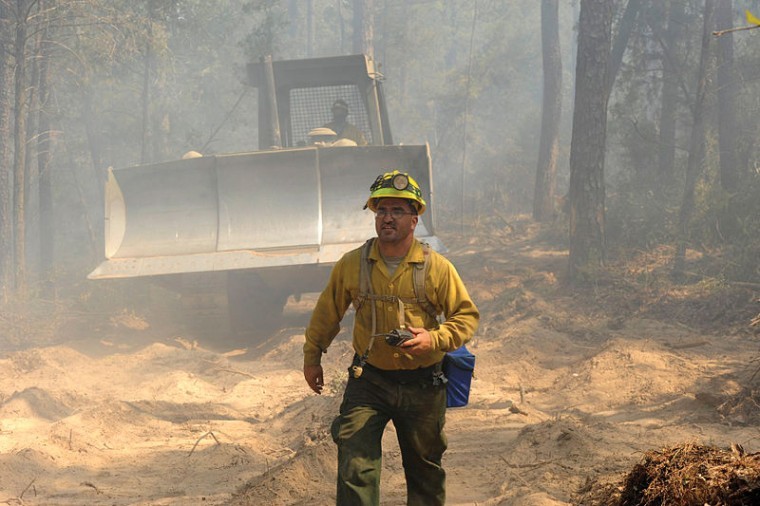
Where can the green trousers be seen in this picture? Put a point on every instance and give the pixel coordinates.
(418, 411)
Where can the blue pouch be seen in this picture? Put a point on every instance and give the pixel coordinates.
(458, 367)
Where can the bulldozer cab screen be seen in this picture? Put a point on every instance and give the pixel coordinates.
(311, 107)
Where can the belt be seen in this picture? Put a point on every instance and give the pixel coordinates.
(403, 376)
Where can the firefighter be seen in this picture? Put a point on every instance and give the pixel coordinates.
(398, 347)
(342, 127)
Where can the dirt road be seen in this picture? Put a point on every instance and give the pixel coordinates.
(571, 388)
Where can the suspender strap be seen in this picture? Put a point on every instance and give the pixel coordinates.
(420, 273)
(364, 274)
(365, 292)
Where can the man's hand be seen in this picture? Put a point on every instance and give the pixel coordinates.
(313, 375)
(421, 344)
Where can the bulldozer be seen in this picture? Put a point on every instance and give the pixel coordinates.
(236, 235)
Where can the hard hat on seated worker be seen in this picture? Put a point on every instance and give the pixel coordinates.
(396, 185)
(322, 136)
(191, 154)
(322, 131)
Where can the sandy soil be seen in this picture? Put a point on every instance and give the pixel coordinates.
(571, 387)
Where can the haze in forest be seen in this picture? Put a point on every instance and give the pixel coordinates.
(116, 84)
(594, 176)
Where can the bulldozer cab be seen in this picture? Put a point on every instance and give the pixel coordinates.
(303, 92)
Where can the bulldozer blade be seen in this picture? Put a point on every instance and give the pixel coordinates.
(250, 210)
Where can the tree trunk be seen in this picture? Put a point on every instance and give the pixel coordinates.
(670, 85)
(88, 121)
(728, 90)
(293, 19)
(85, 205)
(7, 278)
(548, 151)
(91, 133)
(161, 124)
(44, 157)
(147, 67)
(310, 26)
(19, 148)
(31, 169)
(696, 145)
(342, 26)
(625, 28)
(587, 234)
(363, 27)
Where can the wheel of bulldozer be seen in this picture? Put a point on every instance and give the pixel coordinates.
(255, 307)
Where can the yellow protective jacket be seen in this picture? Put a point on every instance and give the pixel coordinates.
(443, 287)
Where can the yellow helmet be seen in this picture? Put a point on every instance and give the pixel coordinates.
(191, 154)
(322, 132)
(396, 185)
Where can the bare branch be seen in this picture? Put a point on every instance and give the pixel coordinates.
(719, 33)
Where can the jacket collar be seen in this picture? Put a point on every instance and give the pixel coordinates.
(413, 256)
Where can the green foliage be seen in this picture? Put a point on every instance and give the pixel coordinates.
(643, 205)
(732, 223)
(639, 217)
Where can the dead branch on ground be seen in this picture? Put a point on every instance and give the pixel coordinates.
(209, 433)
